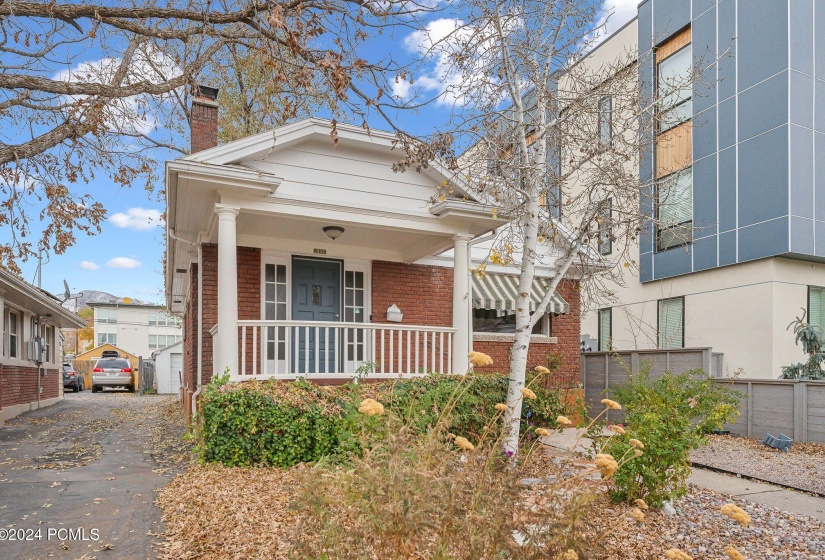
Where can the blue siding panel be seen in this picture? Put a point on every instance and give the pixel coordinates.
(669, 16)
(763, 40)
(819, 103)
(763, 178)
(819, 39)
(819, 178)
(727, 123)
(802, 99)
(701, 6)
(819, 238)
(646, 267)
(704, 253)
(727, 248)
(727, 189)
(802, 235)
(703, 38)
(673, 262)
(704, 133)
(727, 48)
(704, 196)
(763, 107)
(763, 240)
(802, 35)
(802, 172)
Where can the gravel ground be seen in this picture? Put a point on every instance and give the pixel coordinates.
(699, 529)
(801, 468)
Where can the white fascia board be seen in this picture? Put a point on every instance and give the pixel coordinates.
(31, 298)
(242, 178)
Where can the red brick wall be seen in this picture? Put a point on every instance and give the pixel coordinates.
(204, 126)
(20, 385)
(423, 293)
(190, 331)
(249, 302)
(425, 296)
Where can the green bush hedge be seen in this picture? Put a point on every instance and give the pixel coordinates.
(282, 424)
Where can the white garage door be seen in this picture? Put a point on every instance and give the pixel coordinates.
(176, 363)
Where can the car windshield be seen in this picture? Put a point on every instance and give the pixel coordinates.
(112, 363)
(67, 369)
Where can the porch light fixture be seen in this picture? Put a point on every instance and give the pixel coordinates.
(333, 232)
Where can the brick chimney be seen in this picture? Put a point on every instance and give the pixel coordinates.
(204, 118)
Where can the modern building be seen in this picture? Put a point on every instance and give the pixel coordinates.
(741, 252)
(138, 328)
(31, 351)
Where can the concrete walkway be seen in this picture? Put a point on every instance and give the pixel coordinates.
(760, 492)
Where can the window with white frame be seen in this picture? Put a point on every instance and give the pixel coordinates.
(275, 304)
(354, 312)
(107, 314)
(160, 341)
(605, 329)
(13, 328)
(605, 122)
(671, 323)
(160, 319)
(48, 334)
(816, 307)
(106, 338)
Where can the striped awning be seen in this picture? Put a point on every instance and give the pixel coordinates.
(499, 291)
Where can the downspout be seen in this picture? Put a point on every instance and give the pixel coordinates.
(468, 266)
(200, 331)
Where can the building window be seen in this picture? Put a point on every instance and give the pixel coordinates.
(106, 338)
(605, 122)
(160, 319)
(816, 307)
(48, 333)
(604, 218)
(675, 104)
(354, 311)
(275, 300)
(671, 323)
(160, 341)
(675, 204)
(498, 321)
(605, 329)
(14, 334)
(107, 315)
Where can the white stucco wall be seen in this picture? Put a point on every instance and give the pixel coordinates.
(132, 328)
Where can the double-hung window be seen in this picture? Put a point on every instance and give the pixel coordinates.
(605, 329)
(605, 231)
(671, 323)
(14, 325)
(106, 338)
(674, 89)
(48, 334)
(816, 307)
(107, 315)
(675, 203)
(605, 122)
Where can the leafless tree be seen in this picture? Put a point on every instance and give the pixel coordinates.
(99, 88)
(550, 140)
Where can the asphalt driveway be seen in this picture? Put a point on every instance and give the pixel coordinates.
(79, 478)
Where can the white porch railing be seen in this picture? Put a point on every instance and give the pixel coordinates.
(329, 350)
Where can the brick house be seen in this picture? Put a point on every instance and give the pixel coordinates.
(31, 352)
(289, 255)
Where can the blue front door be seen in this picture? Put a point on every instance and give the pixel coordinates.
(316, 296)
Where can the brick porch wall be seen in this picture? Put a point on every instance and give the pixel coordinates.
(20, 385)
(249, 306)
(425, 296)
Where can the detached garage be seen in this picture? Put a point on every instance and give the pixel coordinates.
(169, 369)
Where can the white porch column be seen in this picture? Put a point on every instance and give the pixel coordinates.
(461, 303)
(225, 345)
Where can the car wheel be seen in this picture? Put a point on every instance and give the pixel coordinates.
(76, 388)
(94, 389)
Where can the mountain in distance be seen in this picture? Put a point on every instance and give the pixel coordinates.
(85, 297)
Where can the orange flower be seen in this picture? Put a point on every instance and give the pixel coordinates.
(371, 407)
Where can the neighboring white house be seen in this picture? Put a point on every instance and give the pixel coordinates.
(138, 328)
(169, 369)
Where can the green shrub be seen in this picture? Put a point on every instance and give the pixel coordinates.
(271, 423)
(420, 401)
(282, 424)
(670, 415)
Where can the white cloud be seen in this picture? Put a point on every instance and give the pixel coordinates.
(89, 265)
(614, 14)
(138, 219)
(123, 262)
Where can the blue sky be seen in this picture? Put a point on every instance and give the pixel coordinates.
(125, 258)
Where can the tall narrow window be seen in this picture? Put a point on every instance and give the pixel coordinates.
(675, 202)
(14, 334)
(354, 294)
(605, 227)
(674, 88)
(672, 323)
(605, 329)
(48, 332)
(816, 307)
(605, 122)
(275, 310)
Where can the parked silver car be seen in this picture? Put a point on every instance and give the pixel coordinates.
(112, 372)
